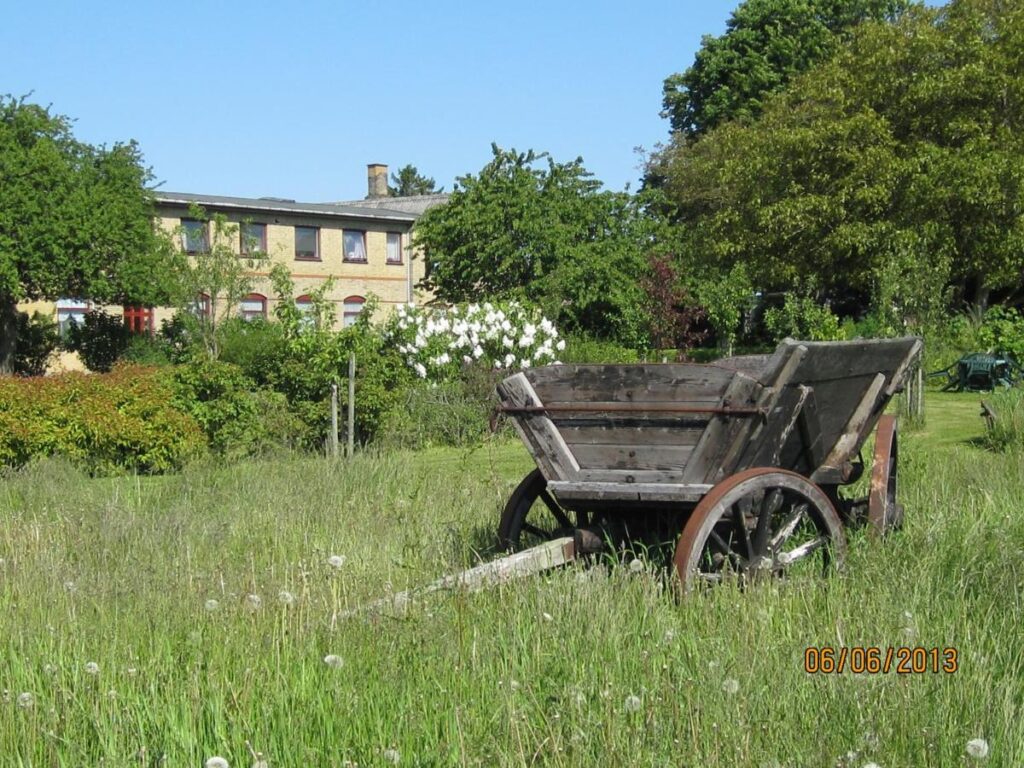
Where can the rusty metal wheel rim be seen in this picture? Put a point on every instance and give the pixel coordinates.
(884, 514)
(802, 509)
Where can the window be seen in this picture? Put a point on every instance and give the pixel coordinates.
(201, 306)
(351, 308)
(139, 319)
(253, 239)
(394, 247)
(193, 236)
(71, 311)
(307, 243)
(305, 306)
(355, 245)
(254, 306)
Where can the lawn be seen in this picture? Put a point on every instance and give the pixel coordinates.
(164, 621)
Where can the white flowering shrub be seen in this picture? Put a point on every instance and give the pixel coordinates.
(437, 343)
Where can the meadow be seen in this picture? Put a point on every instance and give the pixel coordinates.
(163, 621)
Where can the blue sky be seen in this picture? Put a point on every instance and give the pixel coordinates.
(256, 98)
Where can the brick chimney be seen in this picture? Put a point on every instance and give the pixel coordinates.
(376, 180)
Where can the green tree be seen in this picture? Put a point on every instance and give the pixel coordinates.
(408, 182)
(214, 279)
(895, 169)
(75, 220)
(545, 233)
(766, 44)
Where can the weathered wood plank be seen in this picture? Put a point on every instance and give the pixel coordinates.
(718, 441)
(543, 557)
(630, 476)
(850, 438)
(680, 383)
(611, 456)
(543, 440)
(635, 432)
(598, 491)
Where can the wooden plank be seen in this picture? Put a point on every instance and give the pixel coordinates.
(597, 491)
(543, 440)
(850, 438)
(752, 365)
(630, 476)
(679, 383)
(830, 360)
(635, 432)
(718, 440)
(897, 380)
(811, 436)
(543, 557)
(611, 456)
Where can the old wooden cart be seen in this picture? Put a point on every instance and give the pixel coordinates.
(738, 465)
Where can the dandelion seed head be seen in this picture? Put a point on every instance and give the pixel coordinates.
(92, 668)
(333, 660)
(211, 605)
(337, 561)
(392, 756)
(632, 704)
(637, 566)
(253, 602)
(26, 700)
(217, 762)
(286, 598)
(547, 616)
(730, 686)
(50, 669)
(70, 587)
(260, 764)
(977, 748)
(670, 635)
(872, 765)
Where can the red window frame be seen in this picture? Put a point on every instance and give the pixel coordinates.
(249, 314)
(139, 319)
(348, 317)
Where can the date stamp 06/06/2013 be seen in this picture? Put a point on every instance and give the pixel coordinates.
(873, 660)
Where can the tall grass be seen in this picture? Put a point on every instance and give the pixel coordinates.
(582, 667)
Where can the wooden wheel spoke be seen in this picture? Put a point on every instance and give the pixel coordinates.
(769, 506)
(556, 510)
(540, 532)
(788, 528)
(727, 550)
(739, 520)
(805, 549)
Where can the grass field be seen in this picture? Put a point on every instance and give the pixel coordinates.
(164, 621)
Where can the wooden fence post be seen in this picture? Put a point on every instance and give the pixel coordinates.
(334, 420)
(351, 404)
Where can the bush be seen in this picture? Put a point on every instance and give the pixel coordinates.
(801, 317)
(121, 421)
(1004, 419)
(430, 414)
(148, 351)
(37, 340)
(254, 346)
(580, 349)
(100, 340)
(220, 399)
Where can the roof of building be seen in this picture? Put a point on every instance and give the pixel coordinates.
(367, 209)
(414, 204)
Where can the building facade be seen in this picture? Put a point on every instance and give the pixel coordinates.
(363, 247)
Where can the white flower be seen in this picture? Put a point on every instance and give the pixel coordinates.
(730, 686)
(632, 704)
(443, 359)
(392, 756)
(217, 762)
(50, 669)
(977, 748)
(336, 561)
(286, 598)
(92, 668)
(560, 345)
(420, 370)
(507, 342)
(466, 359)
(510, 359)
(872, 765)
(253, 602)
(526, 341)
(524, 363)
(261, 764)
(478, 351)
(331, 660)
(529, 329)
(211, 605)
(670, 635)
(26, 700)
(497, 365)
(70, 587)
(506, 325)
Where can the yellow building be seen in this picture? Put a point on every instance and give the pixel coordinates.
(365, 246)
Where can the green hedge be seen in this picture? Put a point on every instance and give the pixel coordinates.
(119, 421)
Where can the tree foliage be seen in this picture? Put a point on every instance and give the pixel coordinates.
(895, 170)
(409, 182)
(765, 45)
(528, 228)
(75, 220)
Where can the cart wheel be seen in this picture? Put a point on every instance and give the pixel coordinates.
(760, 522)
(532, 516)
(884, 513)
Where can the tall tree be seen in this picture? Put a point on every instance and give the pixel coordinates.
(75, 220)
(895, 168)
(766, 44)
(409, 182)
(530, 228)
